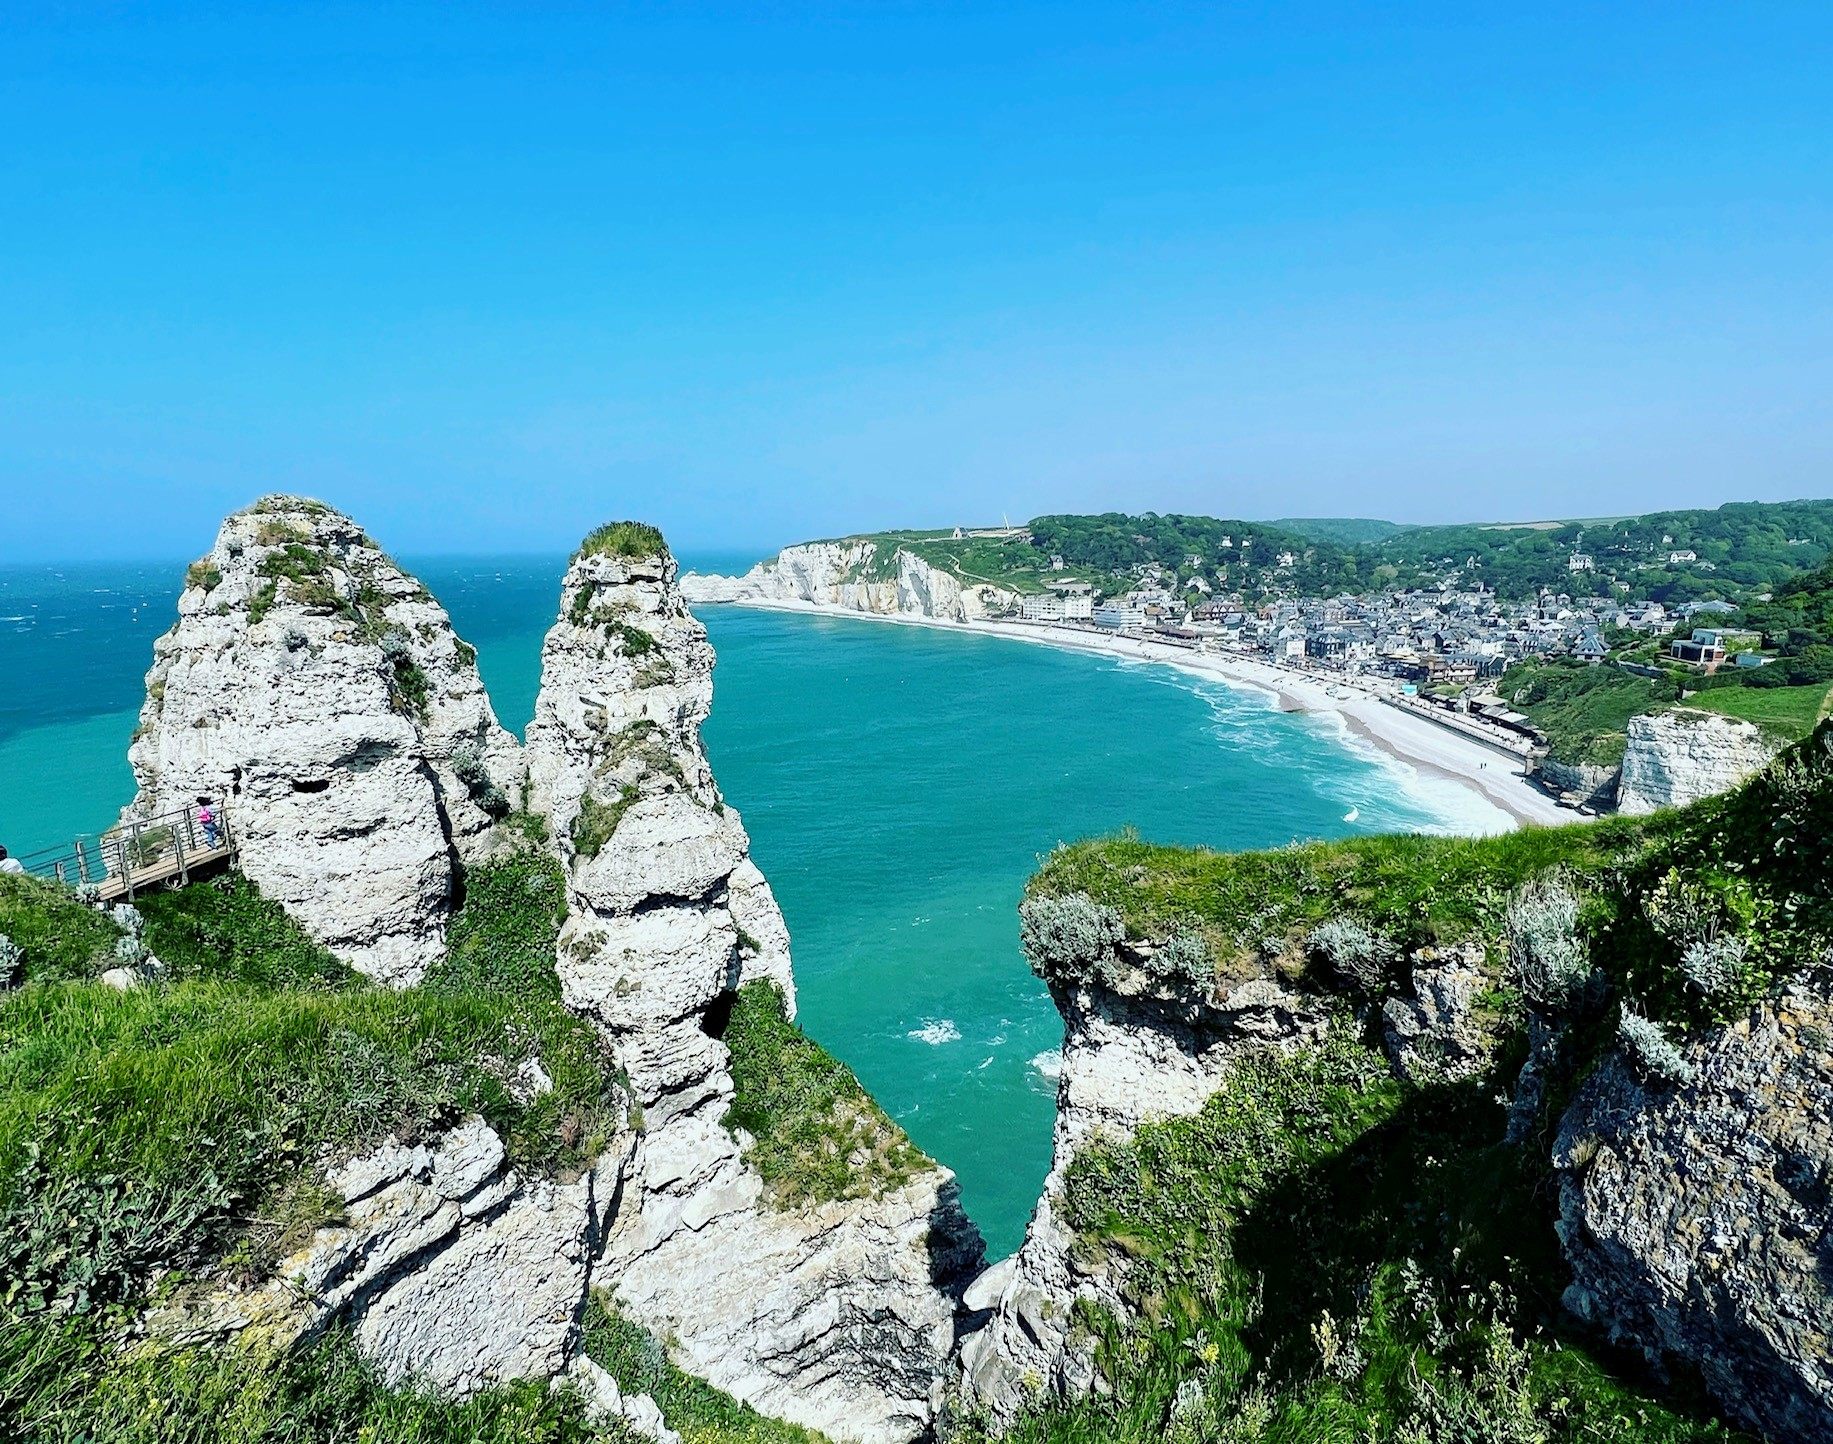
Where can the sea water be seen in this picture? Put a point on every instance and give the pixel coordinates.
(899, 783)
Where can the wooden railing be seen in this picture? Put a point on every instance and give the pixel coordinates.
(139, 853)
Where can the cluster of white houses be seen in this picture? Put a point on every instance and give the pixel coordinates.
(1419, 636)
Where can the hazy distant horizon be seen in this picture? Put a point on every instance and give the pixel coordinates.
(689, 547)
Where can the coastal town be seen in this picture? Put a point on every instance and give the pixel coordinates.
(1438, 648)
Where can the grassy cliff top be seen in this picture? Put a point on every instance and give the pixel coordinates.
(632, 539)
(1244, 904)
(1785, 714)
(1749, 866)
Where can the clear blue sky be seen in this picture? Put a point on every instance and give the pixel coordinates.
(485, 275)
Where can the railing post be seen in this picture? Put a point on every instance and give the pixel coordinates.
(82, 861)
(58, 868)
(133, 856)
(178, 846)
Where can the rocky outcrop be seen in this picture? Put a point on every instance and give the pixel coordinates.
(857, 576)
(1698, 1218)
(318, 691)
(1129, 1053)
(838, 1316)
(451, 1269)
(1440, 1029)
(1685, 754)
(1578, 784)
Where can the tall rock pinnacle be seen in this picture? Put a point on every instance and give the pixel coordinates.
(318, 692)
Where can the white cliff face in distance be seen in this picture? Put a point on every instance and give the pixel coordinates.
(318, 691)
(854, 576)
(1680, 756)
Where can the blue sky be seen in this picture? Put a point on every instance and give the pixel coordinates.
(485, 275)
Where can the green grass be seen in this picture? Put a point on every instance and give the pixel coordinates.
(59, 937)
(632, 539)
(502, 942)
(225, 929)
(1784, 713)
(1585, 711)
(1252, 906)
(60, 1384)
(596, 821)
(693, 1408)
(152, 1125)
(1321, 1255)
(817, 1135)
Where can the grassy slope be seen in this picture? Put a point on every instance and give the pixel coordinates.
(1584, 711)
(1323, 1254)
(817, 1136)
(1785, 713)
(175, 1123)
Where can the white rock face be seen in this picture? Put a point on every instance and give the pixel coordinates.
(854, 576)
(1683, 755)
(830, 1316)
(1127, 1057)
(452, 1270)
(319, 692)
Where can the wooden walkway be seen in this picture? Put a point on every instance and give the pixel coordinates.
(140, 854)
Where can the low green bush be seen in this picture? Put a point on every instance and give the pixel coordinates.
(205, 573)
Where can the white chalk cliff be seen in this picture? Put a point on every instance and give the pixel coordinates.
(839, 1316)
(318, 689)
(1682, 755)
(319, 692)
(855, 576)
(1130, 1053)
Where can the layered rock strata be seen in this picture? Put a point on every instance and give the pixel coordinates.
(453, 1271)
(1680, 756)
(319, 693)
(839, 1316)
(857, 576)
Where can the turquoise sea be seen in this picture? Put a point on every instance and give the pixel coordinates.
(899, 784)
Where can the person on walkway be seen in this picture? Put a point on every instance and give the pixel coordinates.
(10, 864)
(206, 819)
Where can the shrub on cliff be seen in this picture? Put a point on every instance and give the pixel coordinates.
(1070, 938)
(1358, 955)
(1651, 1052)
(1546, 948)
